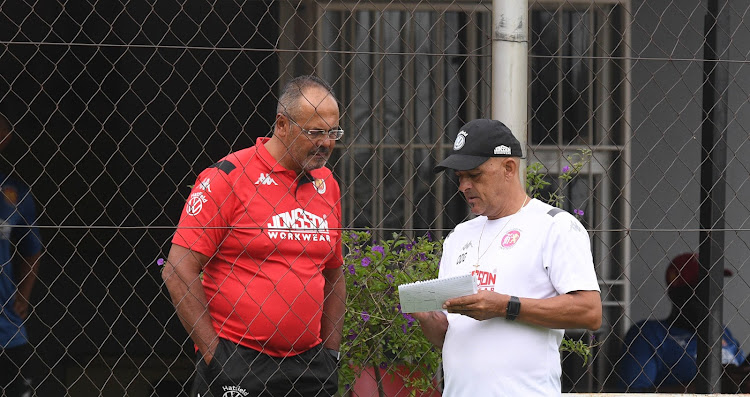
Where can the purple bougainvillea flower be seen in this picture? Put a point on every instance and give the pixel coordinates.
(409, 319)
(365, 316)
(398, 307)
(429, 236)
(378, 248)
(366, 262)
(160, 262)
(578, 212)
(352, 336)
(352, 270)
(383, 365)
(422, 256)
(409, 246)
(391, 278)
(403, 328)
(565, 169)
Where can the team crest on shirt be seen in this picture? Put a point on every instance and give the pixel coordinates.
(510, 239)
(320, 185)
(195, 203)
(11, 195)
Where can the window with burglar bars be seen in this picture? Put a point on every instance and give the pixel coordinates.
(413, 74)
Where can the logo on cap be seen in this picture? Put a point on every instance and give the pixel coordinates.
(460, 140)
(502, 149)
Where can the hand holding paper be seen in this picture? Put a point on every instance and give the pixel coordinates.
(429, 295)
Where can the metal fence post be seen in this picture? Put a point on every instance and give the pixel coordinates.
(713, 185)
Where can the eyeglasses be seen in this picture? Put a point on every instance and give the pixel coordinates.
(333, 134)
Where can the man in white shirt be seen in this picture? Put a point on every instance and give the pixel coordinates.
(535, 271)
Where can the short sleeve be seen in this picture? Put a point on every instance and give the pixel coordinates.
(567, 256)
(207, 214)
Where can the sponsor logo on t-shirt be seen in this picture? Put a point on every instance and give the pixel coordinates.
(298, 224)
(510, 239)
(265, 179)
(234, 391)
(195, 203)
(485, 280)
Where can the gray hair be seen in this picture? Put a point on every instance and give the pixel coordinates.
(289, 101)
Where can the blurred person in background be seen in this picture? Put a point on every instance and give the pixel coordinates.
(661, 355)
(20, 250)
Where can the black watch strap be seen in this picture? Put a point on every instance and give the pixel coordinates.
(514, 308)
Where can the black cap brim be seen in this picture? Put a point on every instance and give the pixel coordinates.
(460, 162)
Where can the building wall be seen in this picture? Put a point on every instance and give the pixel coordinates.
(667, 78)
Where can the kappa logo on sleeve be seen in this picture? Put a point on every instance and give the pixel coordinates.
(206, 185)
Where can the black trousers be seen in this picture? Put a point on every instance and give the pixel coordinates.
(239, 371)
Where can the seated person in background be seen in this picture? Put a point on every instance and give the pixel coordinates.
(661, 355)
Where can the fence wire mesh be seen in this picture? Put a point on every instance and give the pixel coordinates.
(115, 107)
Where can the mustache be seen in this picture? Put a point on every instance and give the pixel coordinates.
(322, 150)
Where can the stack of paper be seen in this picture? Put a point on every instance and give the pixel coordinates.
(429, 295)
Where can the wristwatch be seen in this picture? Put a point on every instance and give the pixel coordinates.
(513, 309)
(335, 353)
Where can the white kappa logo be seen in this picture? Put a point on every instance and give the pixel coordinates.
(206, 185)
(460, 140)
(195, 203)
(265, 179)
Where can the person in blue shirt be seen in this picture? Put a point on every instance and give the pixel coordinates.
(20, 250)
(661, 355)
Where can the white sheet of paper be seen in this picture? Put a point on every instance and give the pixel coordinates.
(429, 295)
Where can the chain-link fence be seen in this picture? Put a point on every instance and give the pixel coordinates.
(116, 107)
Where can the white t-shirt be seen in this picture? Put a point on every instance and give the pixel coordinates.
(539, 252)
